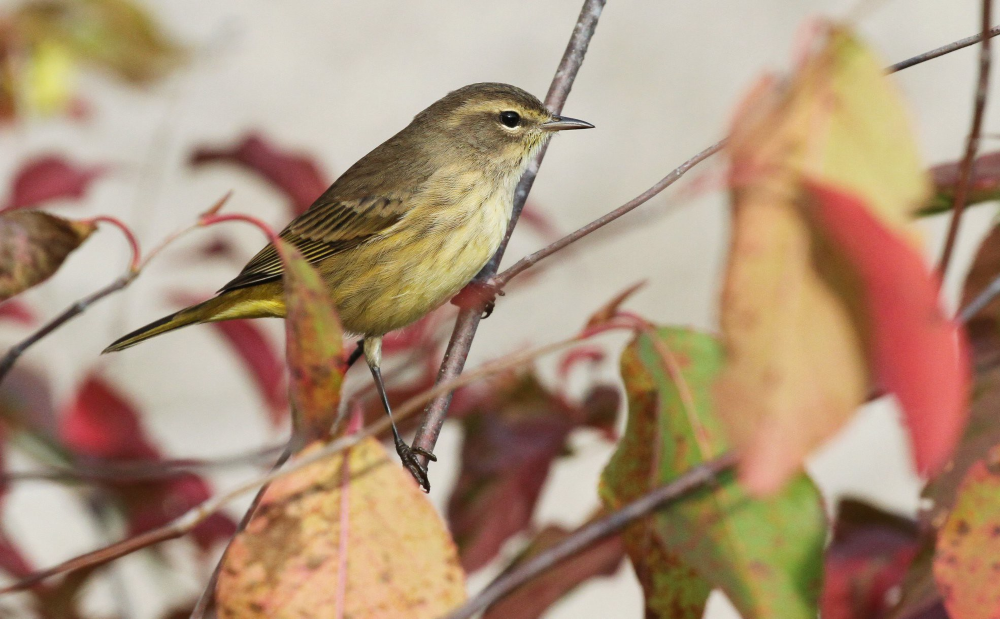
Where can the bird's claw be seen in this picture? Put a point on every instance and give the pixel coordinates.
(408, 456)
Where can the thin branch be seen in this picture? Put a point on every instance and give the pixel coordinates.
(468, 319)
(198, 514)
(971, 143)
(68, 314)
(101, 471)
(528, 261)
(136, 266)
(694, 479)
(982, 300)
(943, 50)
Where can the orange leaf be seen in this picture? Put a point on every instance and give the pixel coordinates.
(400, 561)
(33, 246)
(965, 564)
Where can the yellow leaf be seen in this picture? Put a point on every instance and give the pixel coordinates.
(400, 560)
(795, 326)
(49, 78)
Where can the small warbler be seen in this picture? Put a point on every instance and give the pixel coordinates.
(405, 228)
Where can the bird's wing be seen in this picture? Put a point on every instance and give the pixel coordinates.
(330, 226)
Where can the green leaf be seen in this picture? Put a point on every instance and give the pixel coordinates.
(766, 555)
(314, 347)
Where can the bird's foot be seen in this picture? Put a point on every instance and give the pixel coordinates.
(408, 456)
(478, 295)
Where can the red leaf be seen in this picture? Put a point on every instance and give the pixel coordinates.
(12, 561)
(984, 184)
(867, 559)
(532, 599)
(413, 336)
(50, 178)
(297, 176)
(101, 423)
(515, 431)
(262, 361)
(919, 354)
(259, 356)
(17, 312)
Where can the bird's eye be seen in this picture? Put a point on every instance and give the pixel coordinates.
(510, 119)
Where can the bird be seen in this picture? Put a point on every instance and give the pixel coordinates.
(402, 230)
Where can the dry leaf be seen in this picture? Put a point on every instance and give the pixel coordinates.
(33, 246)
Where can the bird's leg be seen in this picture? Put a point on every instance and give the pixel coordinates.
(408, 455)
(355, 355)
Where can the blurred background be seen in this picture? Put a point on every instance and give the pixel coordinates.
(328, 81)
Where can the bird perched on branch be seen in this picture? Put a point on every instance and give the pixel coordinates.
(402, 230)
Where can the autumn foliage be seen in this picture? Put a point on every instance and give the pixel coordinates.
(827, 301)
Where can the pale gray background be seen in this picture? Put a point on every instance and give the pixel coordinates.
(335, 79)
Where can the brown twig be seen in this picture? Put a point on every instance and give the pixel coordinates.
(528, 261)
(971, 143)
(694, 479)
(943, 50)
(101, 471)
(468, 319)
(136, 266)
(15, 352)
(195, 516)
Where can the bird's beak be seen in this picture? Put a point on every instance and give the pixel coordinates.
(563, 123)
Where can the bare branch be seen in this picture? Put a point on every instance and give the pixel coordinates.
(87, 470)
(136, 266)
(528, 261)
(971, 143)
(584, 537)
(195, 516)
(943, 50)
(468, 319)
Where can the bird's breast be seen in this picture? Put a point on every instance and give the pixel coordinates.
(445, 239)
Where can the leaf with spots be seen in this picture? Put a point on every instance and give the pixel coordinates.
(765, 554)
(33, 245)
(352, 534)
(314, 347)
(967, 562)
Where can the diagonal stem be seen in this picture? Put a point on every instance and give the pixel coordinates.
(971, 142)
(468, 319)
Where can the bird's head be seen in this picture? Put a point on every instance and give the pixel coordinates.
(496, 124)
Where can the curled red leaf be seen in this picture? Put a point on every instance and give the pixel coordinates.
(295, 175)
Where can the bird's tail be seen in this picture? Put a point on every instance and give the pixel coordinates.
(190, 316)
(254, 302)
